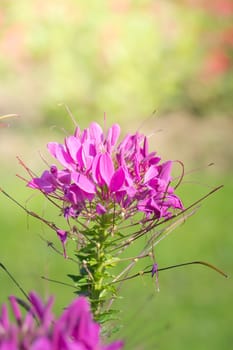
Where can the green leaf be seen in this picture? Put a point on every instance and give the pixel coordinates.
(106, 316)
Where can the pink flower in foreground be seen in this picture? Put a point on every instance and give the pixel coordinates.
(39, 330)
(98, 176)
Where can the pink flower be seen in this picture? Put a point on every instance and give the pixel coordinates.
(39, 329)
(99, 176)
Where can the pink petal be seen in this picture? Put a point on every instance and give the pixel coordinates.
(52, 147)
(96, 133)
(100, 209)
(117, 180)
(165, 171)
(95, 170)
(4, 319)
(59, 152)
(106, 167)
(15, 308)
(64, 158)
(113, 135)
(42, 343)
(37, 304)
(73, 144)
(77, 132)
(116, 345)
(83, 183)
(151, 173)
(45, 183)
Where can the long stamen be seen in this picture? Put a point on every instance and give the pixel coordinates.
(204, 263)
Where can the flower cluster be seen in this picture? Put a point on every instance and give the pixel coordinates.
(39, 330)
(99, 176)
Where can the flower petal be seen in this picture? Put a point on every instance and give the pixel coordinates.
(112, 137)
(83, 183)
(106, 168)
(60, 153)
(117, 180)
(73, 144)
(96, 133)
(151, 173)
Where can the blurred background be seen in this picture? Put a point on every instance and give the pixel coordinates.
(164, 68)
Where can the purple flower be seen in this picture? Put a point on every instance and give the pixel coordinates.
(154, 271)
(40, 330)
(63, 238)
(97, 173)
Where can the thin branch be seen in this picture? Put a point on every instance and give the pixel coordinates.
(140, 233)
(58, 282)
(56, 250)
(31, 213)
(14, 280)
(204, 263)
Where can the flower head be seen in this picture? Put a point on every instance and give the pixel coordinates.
(39, 329)
(98, 175)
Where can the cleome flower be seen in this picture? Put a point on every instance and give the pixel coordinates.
(116, 192)
(39, 330)
(98, 175)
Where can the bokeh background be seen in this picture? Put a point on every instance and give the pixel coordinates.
(164, 68)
